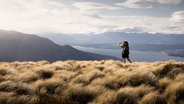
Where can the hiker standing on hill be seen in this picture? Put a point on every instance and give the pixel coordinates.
(125, 51)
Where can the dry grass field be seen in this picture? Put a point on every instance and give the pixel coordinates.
(91, 82)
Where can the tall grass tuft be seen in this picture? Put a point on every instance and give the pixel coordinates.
(108, 97)
(153, 98)
(123, 97)
(26, 77)
(80, 95)
(24, 89)
(170, 70)
(45, 74)
(16, 100)
(163, 83)
(180, 77)
(8, 86)
(174, 93)
(87, 78)
(139, 78)
(52, 99)
(50, 86)
(73, 65)
(3, 71)
(139, 91)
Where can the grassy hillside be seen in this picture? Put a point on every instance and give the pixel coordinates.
(91, 82)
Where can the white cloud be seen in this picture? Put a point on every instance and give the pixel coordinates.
(37, 16)
(169, 1)
(144, 24)
(178, 16)
(144, 4)
(130, 29)
(92, 8)
(141, 4)
(27, 5)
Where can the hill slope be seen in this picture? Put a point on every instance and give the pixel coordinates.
(91, 82)
(15, 46)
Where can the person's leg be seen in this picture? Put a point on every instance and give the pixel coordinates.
(124, 60)
(129, 60)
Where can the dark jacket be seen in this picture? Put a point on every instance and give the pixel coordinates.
(125, 48)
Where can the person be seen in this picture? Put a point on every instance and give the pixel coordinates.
(125, 51)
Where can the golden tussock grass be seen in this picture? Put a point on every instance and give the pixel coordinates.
(153, 98)
(174, 93)
(91, 82)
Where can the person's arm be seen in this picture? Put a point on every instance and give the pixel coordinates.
(120, 44)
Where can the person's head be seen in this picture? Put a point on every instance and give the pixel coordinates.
(125, 43)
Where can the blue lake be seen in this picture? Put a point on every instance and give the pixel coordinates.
(135, 56)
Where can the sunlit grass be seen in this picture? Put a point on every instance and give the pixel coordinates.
(91, 82)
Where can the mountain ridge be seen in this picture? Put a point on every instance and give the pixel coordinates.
(16, 46)
(113, 37)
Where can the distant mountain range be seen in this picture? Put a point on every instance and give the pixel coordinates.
(16, 46)
(172, 44)
(114, 37)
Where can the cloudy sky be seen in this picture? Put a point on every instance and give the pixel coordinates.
(92, 16)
